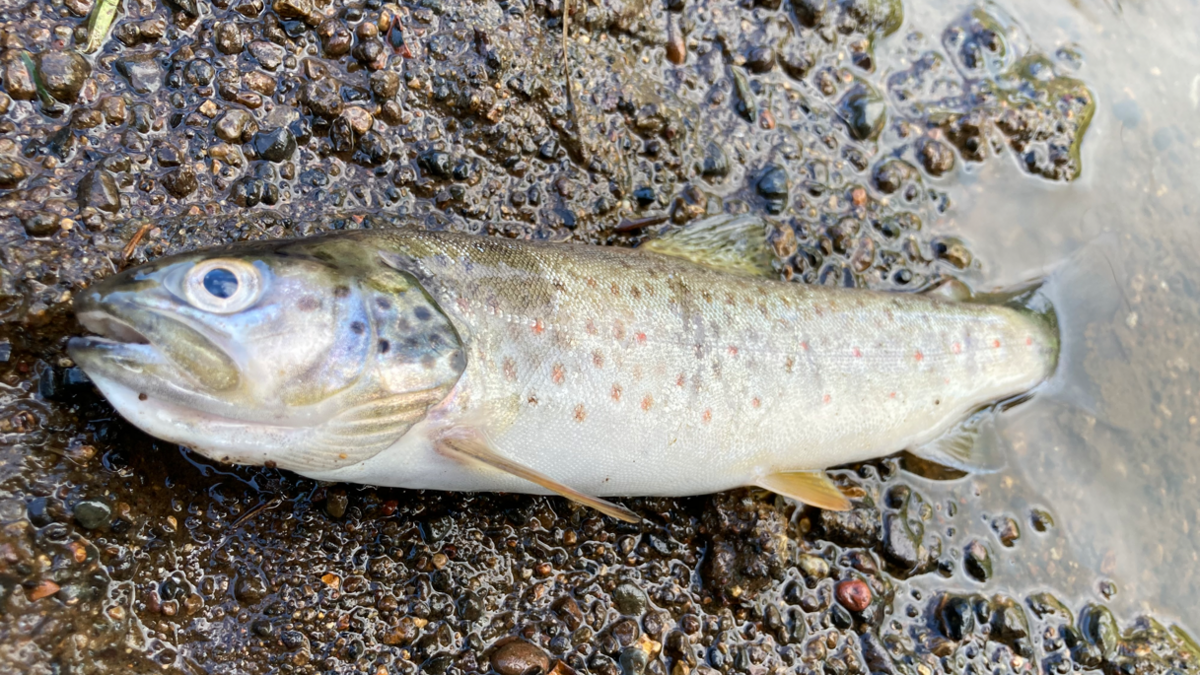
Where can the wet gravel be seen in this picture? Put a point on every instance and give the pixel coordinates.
(199, 123)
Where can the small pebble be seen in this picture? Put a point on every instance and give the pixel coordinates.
(92, 513)
(853, 594)
(519, 657)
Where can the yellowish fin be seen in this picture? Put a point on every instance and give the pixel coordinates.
(471, 446)
(731, 244)
(811, 487)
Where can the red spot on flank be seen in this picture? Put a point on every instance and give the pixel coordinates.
(756, 402)
(647, 402)
(538, 328)
(616, 392)
(635, 292)
(733, 350)
(619, 330)
(706, 417)
(1028, 342)
(558, 374)
(510, 370)
(919, 356)
(804, 346)
(892, 395)
(591, 282)
(533, 400)
(827, 398)
(580, 413)
(995, 344)
(790, 362)
(463, 304)
(641, 338)
(590, 327)
(956, 348)
(679, 380)
(616, 290)
(857, 353)
(598, 358)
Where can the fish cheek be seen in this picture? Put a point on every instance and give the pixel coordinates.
(337, 363)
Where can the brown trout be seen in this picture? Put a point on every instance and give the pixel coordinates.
(454, 362)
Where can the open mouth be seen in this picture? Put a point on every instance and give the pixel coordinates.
(110, 329)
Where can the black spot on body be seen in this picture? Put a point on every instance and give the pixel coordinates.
(341, 291)
(357, 327)
(428, 361)
(423, 313)
(384, 346)
(383, 303)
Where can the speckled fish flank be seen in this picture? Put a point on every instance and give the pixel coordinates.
(627, 372)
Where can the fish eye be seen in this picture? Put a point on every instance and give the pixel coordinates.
(222, 285)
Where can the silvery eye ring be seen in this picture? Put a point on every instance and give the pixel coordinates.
(223, 285)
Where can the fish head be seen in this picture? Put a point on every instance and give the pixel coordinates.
(308, 356)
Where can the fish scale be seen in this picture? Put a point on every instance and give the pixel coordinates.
(771, 378)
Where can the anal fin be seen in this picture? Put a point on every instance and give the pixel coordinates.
(473, 447)
(811, 487)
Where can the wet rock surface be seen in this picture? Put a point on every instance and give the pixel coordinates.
(198, 124)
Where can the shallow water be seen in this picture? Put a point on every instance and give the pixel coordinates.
(1110, 447)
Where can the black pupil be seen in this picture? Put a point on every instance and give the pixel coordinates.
(220, 282)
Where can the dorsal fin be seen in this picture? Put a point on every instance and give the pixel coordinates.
(733, 244)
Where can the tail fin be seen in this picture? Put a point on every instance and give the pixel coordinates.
(1083, 290)
(1080, 291)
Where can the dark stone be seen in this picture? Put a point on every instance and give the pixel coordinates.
(276, 145)
(323, 98)
(336, 503)
(11, 173)
(809, 12)
(863, 111)
(142, 71)
(293, 9)
(228, 38)
(471, 606)
(92, 513)
(977, 561)
(384, 84)
(891, 175)
(1099, 628)
(958, 618)
(181, 182)
(336, 38)
(519, 658)
(199, 72)
(247, 192)
(371, 150)
(773, 183)
(435, 163)
(645, 196)
(760, 59)
(341, 135)
(936, 156)
(629, 599)
(302, 130)
(715, 162)
(249, 587)
(98, 190)
(168, 155)
(268, 54)
(63, 72)
(633, 661)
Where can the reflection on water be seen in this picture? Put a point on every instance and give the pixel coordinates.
(1111, 448)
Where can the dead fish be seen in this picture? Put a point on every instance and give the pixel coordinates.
(447, 361)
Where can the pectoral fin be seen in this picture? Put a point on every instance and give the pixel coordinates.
(476, 448)
(811, 487)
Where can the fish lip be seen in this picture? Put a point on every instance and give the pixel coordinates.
(109, 328)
